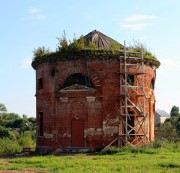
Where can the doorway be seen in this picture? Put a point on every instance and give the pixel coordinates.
(77, 133)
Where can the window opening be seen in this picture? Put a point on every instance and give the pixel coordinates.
(152, 84)
(40, 84)
(130, 79)
(79, 79)
(41, 128)
(52, 72)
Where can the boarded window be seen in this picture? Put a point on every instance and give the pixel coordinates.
(40, 84)
(79, 79)
(41, 128)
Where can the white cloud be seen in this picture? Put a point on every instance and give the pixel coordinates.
(136, 26)
(35, 14)
(33, 10)
(137, 22)
(26, 63)
(39, 17)
(138, 18)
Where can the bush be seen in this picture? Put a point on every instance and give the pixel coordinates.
(9, 147)
(166, 130)
(26, 140)
(166, 144)
(16, 133)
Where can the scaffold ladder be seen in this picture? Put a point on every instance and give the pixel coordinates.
(132, 113)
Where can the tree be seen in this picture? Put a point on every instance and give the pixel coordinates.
(178, 126)
(2, 108)
(166, 130)
(25, 116)
(170, 129)
(10, 116)
(5, 133)
(175, 111)
(175, 118)
(7, 119)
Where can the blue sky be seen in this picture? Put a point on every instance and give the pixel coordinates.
(26, 25)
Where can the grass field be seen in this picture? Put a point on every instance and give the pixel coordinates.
(146, 160)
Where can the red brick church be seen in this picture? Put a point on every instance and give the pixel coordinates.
(92, 99)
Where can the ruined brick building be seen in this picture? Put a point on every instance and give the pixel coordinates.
(94, 98)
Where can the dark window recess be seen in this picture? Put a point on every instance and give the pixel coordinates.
(131, 125)
(130, 79)
(152, 84)
(41, 130)
(40, 84)
(52, 72)
(77, 78)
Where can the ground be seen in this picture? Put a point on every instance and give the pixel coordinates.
(146, 160)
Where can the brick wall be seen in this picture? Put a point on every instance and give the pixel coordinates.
(98, 107)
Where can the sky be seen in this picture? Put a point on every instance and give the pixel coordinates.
(26, 25)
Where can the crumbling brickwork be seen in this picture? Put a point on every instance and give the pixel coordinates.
(96, 108)
(79, 95)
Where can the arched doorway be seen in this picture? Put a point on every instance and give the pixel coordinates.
(77, 88)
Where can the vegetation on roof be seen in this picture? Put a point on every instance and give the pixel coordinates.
(79, 48)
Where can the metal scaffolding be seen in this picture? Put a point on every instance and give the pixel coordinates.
(132, 116)
(132, 106)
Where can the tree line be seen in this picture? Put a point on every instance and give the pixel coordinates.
(170, 129)
(16, 132)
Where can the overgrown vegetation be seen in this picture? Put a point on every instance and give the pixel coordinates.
(137, 46)
(79, 44)
(78, 47)
(40, 52)
(16, 132)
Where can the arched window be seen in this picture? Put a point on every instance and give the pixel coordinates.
(79, 79)
(152, 84)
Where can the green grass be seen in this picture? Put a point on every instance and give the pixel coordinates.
(146, 160)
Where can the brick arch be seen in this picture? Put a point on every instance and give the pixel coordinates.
(62, 76)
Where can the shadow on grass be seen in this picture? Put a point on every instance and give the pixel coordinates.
(169, 165)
